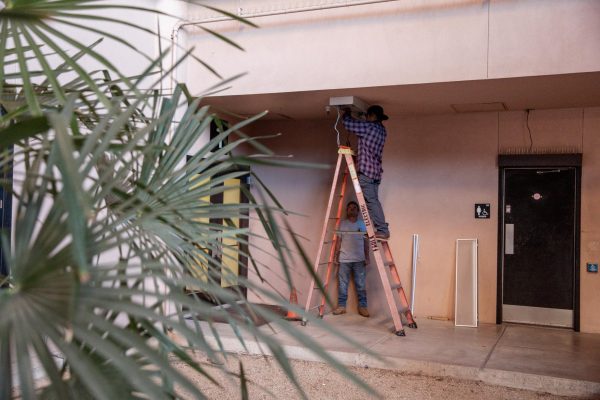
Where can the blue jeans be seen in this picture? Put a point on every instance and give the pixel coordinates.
(359, 271)
(370, 188)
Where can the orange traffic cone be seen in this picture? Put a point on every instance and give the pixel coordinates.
(292, 316)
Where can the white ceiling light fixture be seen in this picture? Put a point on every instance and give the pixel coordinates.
(353, 102)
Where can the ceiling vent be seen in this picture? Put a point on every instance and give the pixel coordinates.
(478, 107)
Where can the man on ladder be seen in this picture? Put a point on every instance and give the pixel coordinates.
(371, 137)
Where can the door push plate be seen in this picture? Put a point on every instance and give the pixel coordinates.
(509, 239)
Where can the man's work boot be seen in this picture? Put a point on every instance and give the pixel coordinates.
(364, 312)
(339, 310)
(382, 235)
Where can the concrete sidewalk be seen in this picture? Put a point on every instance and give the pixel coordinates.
(551, 360)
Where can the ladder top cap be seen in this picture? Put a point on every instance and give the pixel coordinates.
(345, 150)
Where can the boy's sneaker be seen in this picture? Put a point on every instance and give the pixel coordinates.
(364, 312)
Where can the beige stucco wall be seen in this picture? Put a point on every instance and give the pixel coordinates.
(395, 43)
(537, 37)
(436, 168)
(590, 221)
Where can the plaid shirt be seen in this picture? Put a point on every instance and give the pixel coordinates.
(371, 138)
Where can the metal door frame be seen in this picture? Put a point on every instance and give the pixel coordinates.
(531, 161)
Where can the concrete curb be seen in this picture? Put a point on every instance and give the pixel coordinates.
(512, 379)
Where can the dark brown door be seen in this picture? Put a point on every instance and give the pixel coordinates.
(539, 245)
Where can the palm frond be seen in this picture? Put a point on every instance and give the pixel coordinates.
(114, 221)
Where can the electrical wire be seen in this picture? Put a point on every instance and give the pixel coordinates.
(529, 130)
(335, 126)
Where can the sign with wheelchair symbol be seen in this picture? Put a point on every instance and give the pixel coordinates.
(482, 211)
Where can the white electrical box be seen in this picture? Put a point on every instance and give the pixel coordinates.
(353, 102)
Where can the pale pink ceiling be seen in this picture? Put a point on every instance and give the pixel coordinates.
(539, 92)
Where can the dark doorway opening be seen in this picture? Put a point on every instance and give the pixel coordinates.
(538, 241)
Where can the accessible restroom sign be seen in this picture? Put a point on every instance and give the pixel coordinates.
(482, 211)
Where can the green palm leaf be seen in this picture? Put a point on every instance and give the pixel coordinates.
(111, 226)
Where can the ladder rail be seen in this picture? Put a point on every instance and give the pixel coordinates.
(387, 290)
(396, 279)
(335, 240)
(323, 233)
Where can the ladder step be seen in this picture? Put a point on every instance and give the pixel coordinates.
(397, 286)
(383, 241)
(388, 263)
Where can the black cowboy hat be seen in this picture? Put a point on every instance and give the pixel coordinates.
(378, 112)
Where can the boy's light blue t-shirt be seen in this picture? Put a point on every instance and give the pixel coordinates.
(352, 248)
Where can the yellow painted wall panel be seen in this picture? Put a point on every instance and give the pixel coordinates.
(230, 263)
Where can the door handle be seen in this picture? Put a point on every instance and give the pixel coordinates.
(509, 239)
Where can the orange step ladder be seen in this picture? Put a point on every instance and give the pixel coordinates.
(380, 248)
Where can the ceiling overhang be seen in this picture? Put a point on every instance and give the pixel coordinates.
(508, 94)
